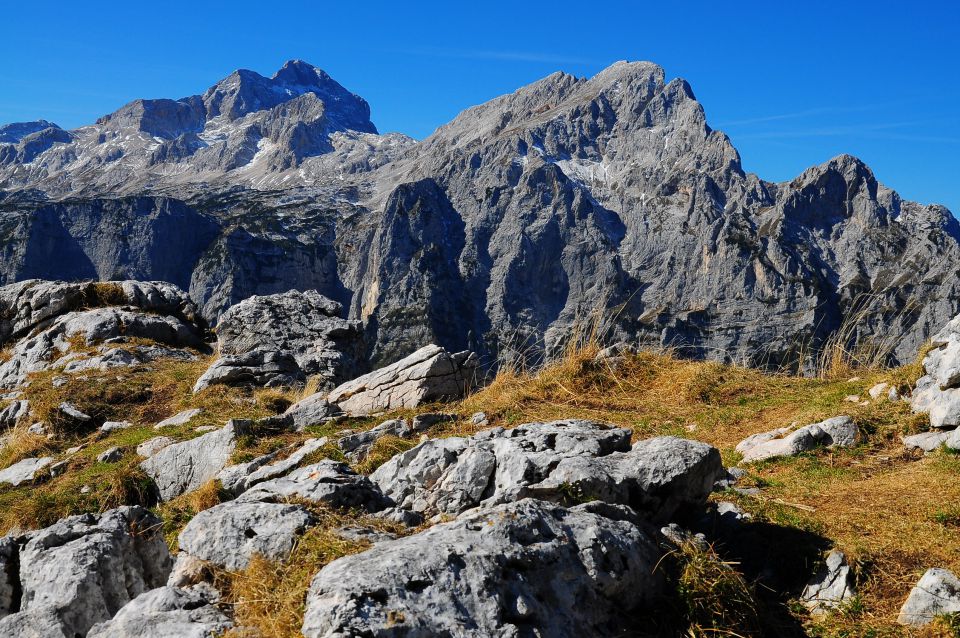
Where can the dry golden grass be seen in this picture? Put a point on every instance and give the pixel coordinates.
(269, 596)
(20, 444)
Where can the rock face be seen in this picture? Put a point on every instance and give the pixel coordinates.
(562, 460)
(429, 374)
(327, 482)
(165, 612)
(181, 467)
(839, 431)
(938, 391)
(498, 233)
(264, 368)
(491, 573)
(937, 593)
(83, 570)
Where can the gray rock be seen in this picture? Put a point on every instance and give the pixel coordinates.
(84, 569)
(492, 573)
(878, 390)
(181, 467)
(831, 585)
(305, 324)
(152, 446)
(357, 445)
(9, 579)
(14, 413)
(165, 612)
(838, 431)
(562, 461)
(181, 418)
(113, 426)
(39, 428)
(429, 374)
(262, 368)
(312, 410)
(929, 441)
(239, 478)
(71, 414)
(327, 482)
(937, 593)
(25, 470)
(229, 534)
(110, 455)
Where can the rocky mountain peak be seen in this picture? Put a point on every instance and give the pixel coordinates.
(16, 131)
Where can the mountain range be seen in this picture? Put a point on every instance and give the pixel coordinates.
(605, 203)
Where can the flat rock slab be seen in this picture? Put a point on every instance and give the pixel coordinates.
(429, 374)
(238, 478)
(229, 534)
(25, 470)
(937, 593)
(839, 431)
(165, 612)
(84, 569)
(563, 461)
(181, 467)
(525, 568)
(181, 418)
(313, 410)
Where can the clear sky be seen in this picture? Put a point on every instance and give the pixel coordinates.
(793, 84)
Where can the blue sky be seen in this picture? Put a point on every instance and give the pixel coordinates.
(792, 85)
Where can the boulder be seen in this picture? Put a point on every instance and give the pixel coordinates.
(561, 461)
(113, 426)
(524, 568)
(110, 455)
(229, 534)
(152, 446)
(831, 585)
(306, 325)
(15, 412)
(839, 431)
(181, 467)
(932, 440)
(262, 368)
(937, 593)
(165, 612)
(429, 374)
(24, 470)
(84, 569)
(328, 482)
(239, 478)
(313, 410)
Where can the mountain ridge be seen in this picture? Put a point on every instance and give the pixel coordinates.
(569, 199)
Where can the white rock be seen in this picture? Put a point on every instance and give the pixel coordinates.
(839, 431)
(831, 585)
(24, 470)
(937, 593)
(179, 419)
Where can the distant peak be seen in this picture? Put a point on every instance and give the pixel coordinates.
(13, 133)
(300, 73)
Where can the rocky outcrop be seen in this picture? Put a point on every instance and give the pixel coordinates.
(83, 570)
(263, 368)
(165, 612)
(839, 431)
(560, 461)
(492, 573)
(327, 483)
(936, 594)
(306, 325)
(429, 374)
(236, 479)
(178, 468)
(938, 390)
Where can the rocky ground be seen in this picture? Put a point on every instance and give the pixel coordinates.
(159, 480)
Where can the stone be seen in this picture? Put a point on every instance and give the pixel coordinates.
(110, 455)
(328, 482)
(113, 426)
(71, 414)
(559, 461)
(357, 444)
(937, 593)
(493, 572)
(24, 470)
(181, 418)
(39, 428)
(230, 534)
(479, 419)
(261, 368)
(239, 478)
(182, 467)
(14, 413)
(188, 571)
(838, 431)
(304, 324)
(312, 410)
(831, 585)
(429, 374)
(878, 390)
(165, 612)
(84, 569)
(152, 446)
(928, 441)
